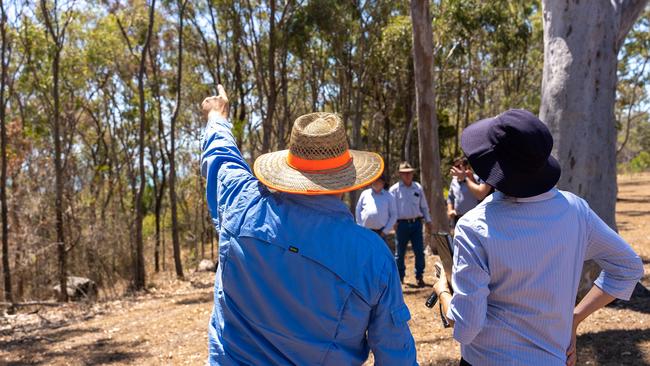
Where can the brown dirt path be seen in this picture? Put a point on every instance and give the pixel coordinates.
(168, 326)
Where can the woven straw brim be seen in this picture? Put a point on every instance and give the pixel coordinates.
(274, 172)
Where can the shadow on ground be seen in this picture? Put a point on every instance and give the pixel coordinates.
(632, 200)
(40, 348)
(640, 301)
(634, 213)
(614, 347)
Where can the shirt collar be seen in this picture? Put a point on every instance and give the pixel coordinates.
(327, 203)
(540, 197)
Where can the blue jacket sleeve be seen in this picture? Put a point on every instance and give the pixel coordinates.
(222, 164)
(389, 336)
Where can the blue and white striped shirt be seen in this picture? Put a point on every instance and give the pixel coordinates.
(517, 266)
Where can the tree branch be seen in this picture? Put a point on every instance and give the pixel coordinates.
(629, 12)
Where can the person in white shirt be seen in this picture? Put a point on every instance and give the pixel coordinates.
(376, 209)
(412, 209)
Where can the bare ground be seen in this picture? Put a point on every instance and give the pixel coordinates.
(168, 325)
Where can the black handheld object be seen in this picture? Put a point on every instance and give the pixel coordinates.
(434, 296)
(432, 301)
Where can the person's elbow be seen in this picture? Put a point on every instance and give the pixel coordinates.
(634, 271)
(465, 333)
(620, 282)
(637, 269)
(466, 326)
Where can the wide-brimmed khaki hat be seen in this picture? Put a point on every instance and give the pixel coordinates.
(405, 167)
(318, 160)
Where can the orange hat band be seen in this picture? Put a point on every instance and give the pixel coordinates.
(319, 166)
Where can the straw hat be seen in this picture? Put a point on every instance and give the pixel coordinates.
(318, 160)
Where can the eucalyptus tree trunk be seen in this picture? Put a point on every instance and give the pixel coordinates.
(138, 262)
(426, 112)
(161, 146)
(581, 44)
(271, 98)
(172, 159)
(57, 32)
(4, 64)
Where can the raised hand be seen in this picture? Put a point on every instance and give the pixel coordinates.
(216, 104)
(459, 173)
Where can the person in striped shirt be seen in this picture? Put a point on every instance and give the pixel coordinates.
(518, 255)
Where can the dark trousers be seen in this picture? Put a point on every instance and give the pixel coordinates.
(409, 231)
(464, 363)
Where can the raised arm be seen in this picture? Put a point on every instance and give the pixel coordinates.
(479, 190)
(222, 164)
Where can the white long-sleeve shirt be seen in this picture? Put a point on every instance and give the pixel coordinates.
(376, 211)
(410, 200)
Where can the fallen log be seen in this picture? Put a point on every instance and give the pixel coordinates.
(30, 303)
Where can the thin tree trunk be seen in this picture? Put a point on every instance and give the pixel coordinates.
(58, 37)
(239, 80)
(426, 111)
(410, 116)
(139, 264)
(4, 63)
(172, 159)
(458, 109)
(162, 143)
(267, 124)
(284, 122)
(581, 44)
(158, 188)
(631, 106)
(387, 131)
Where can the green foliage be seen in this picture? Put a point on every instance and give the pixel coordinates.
(640, 163)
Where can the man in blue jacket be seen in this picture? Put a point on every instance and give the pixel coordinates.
(298, 281)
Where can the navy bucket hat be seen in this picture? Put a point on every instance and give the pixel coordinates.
(512, 153)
